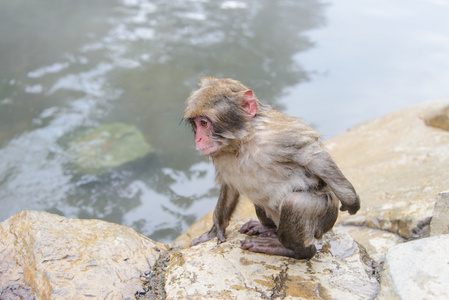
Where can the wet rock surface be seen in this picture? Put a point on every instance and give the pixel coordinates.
(46, 256)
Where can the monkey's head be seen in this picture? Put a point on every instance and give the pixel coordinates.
(219, 112)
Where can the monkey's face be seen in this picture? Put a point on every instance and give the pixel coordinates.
(205, 143)
(219, 113)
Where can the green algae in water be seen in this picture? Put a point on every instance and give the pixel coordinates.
(108, 146)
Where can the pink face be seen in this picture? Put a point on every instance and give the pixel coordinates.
(203, 135)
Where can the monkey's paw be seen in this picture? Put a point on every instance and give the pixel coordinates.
(351, 208)
(212, 233)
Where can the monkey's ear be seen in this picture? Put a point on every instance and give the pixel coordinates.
(249, 104)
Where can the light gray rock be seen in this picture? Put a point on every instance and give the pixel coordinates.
(224, 271)
(440, 220)
(375, 241)
(52, 257)
(417, 270)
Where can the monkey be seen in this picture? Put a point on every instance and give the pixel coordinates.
(274, 159)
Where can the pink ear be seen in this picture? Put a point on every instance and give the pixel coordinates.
(249, 104)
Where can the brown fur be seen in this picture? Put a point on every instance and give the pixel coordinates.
(278, 162)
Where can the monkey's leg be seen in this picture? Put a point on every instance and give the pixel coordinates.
(303, 217)
(227, 201)
(266, 226)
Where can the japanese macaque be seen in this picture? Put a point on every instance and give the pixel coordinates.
(276, 161)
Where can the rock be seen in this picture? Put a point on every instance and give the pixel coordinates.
(417, 270)
(438, 117)
(398, 165)
(108, 146)
(224, 271)
(375, 241)
(440, 221)
(49, 256)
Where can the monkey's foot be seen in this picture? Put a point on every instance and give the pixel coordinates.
(254, 227)
(271, 245)
(268, 245)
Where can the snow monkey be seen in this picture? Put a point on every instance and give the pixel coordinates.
(275, 160)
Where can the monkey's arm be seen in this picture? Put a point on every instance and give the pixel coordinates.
(321, 164)
(227, 201)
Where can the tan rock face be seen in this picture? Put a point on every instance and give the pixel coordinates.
(50, 256)
(224, 271)
(438, 117)
(398, 166)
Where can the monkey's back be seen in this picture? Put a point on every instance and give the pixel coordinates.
(271, 161)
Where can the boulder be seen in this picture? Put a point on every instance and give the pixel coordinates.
(417, 270)
(52, 257)
(340, 270)
(398, 166)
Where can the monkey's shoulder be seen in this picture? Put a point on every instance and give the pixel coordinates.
(277, 123)
(284, 133)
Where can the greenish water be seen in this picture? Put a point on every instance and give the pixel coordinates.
(67, 66)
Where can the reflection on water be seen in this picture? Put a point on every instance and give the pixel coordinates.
(71, 65)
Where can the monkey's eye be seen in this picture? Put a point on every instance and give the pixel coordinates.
(203, 123)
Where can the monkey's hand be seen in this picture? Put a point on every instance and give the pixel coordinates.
(351, 208)
(212, 233)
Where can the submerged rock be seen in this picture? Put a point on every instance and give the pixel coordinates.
(52, 257)
(108, 146)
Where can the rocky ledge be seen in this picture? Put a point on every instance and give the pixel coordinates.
(395, 247)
